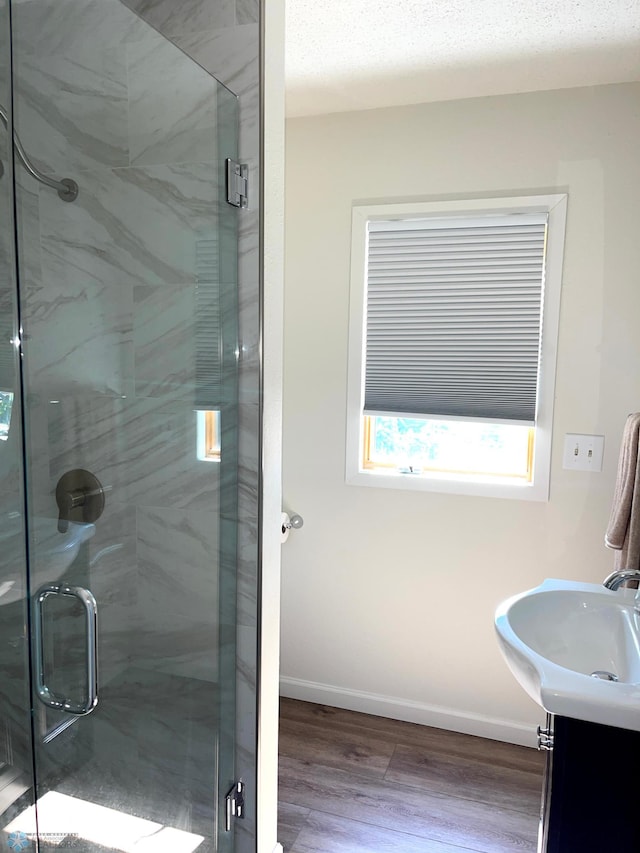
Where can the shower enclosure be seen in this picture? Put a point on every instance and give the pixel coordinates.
(120, 442)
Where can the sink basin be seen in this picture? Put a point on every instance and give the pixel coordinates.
(51, 552)
(555, 636)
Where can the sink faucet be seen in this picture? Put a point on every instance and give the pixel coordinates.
(619, 578)
(616, 579)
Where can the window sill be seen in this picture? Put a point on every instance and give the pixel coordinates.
(493, 487)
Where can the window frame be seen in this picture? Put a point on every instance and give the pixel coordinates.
(555, 205)
(369, 464)
(208, 435)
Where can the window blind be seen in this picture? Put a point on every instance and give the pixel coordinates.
(208, 324)
(453, 317)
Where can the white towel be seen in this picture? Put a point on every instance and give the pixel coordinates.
(623, 531)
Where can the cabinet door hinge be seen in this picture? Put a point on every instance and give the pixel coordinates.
(545, 738)
(234, 802)
(237, 183)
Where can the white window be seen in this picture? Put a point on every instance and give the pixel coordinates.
(452, 345)
(208, 435)
(6, 404)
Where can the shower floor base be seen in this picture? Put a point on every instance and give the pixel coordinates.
(149, 750)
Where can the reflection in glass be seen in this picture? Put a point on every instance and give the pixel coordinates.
(208, 436)
(6, 404)
(71, 821)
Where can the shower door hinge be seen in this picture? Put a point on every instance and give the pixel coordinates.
(234, 802)
(237, 183)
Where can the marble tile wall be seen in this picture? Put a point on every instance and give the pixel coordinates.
(14, 692)
(110, 301)
(107, 320)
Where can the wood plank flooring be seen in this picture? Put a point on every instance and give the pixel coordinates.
(355, 783)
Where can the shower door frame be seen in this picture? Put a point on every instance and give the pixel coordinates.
(21, 409)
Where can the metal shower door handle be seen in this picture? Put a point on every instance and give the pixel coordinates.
(45, 694)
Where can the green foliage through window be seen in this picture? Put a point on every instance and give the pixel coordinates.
(6, 403)
(416, 444)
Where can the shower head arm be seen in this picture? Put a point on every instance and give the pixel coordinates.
(66, 188)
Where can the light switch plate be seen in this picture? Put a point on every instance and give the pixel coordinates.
(583, 452)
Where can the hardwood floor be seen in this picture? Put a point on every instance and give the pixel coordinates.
(354, 783)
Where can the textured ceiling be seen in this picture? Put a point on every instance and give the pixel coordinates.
(364, 54)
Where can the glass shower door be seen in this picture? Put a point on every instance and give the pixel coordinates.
(128, 307)
(16, 761)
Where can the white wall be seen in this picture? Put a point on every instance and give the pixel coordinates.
(388, 596)
(272, 253)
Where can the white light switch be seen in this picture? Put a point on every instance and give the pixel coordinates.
(583, 452)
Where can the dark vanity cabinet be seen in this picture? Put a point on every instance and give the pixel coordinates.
(591, 798)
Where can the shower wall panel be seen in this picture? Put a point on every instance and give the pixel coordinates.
(15, 720)
(115, 272)
(232, 54)
(118, 106)
(224, 38)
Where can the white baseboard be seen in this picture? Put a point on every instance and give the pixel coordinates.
(278, 848)
(409, 711)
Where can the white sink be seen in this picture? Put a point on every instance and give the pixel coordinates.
(51, 552)
(555, 636)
